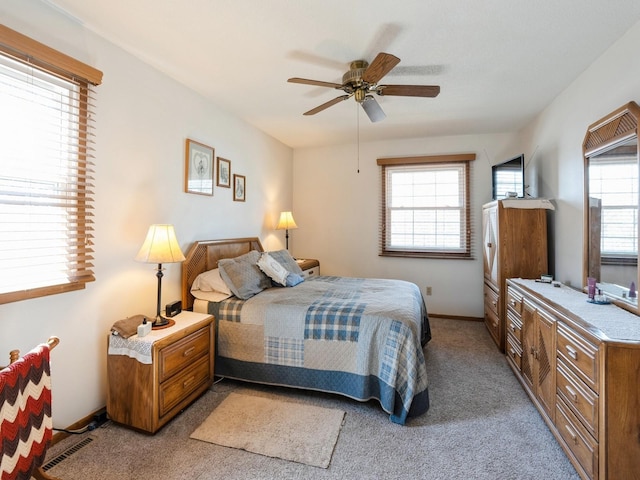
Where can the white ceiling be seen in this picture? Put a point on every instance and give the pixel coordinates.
(498, 62)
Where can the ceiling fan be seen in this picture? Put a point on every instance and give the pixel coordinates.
(361, 80)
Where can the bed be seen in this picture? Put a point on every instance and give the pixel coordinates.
(357, 337)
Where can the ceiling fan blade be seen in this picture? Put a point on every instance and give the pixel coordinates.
(373, 109)
(409, 90)
(314, 82)
(328, 104)
(381, 65)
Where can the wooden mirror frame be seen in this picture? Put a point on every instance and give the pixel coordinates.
(618, 127)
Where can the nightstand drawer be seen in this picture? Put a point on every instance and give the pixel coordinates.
(311, 272)
(179, 387)
(177, 356)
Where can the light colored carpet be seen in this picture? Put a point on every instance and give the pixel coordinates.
(274, 427)
(481, 426)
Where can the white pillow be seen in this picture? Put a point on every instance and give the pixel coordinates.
(273, 269)
(210, 281)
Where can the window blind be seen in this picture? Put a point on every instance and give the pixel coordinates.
(614, 180)
(425, 207)
(46, 172)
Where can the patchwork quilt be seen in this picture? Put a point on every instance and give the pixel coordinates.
(362, 338)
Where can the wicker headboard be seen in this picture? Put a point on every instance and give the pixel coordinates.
(204, 255)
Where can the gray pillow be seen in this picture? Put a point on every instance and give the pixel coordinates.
(284, 258)
(242, 275)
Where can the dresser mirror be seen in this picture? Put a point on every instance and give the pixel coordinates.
(611, 203)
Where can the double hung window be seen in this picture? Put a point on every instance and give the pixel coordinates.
(46, 169)
(425, 208)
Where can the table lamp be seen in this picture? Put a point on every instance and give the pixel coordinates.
(285, 223)
(160, 246)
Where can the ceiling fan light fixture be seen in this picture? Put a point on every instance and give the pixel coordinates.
(362, 79)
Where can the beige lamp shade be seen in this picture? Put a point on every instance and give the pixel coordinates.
(160, 246)
(286, 222)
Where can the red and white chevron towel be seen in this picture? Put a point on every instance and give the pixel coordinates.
(25, 414)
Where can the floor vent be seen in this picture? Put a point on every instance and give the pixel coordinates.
(67, 453)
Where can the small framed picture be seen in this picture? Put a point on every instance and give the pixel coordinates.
(224, 173)
(199, 168)
(239, 188)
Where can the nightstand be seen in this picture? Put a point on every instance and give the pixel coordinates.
(152, 378)
(310, 267)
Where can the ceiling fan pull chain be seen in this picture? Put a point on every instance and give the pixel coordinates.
(358, 136)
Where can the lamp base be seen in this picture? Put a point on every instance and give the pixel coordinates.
(162, 322)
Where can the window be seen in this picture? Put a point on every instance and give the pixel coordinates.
(46, 169)
(425, 206)
(613, 187)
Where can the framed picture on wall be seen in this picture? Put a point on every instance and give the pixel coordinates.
(199, 168)
(223, 173)
(239, 188)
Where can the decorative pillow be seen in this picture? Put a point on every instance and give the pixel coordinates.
(242, 275)
(210, 281)
(294, 279)
(285, 259)
(272, 268)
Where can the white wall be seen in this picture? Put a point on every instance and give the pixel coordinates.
(143, 119)
(337, 211)
(557, 134)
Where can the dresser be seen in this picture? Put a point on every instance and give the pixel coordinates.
(580, 365)
(514, 234)
(152, 378)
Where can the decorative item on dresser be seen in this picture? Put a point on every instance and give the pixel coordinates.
(579, 364)
(151, 379)
(514, 233)
(310, 267)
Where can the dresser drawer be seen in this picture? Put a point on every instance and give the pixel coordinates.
(177, 356)
(180, 386)
(579, 354)
(514, 351)
(514, 326)
(577, 439)
(514, 301)
(492, 323)
(491, 299)
(580, 398)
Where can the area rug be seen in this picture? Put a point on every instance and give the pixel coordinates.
(274, 427)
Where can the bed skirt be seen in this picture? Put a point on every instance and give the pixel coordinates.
(357, 387)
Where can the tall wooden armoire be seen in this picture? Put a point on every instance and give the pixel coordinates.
(514, 233)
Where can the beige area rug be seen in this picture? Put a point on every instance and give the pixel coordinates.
(275, 428)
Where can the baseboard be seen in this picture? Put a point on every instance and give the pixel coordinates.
(456, 317)
(99, 416)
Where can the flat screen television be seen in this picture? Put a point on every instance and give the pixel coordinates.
(508, 178)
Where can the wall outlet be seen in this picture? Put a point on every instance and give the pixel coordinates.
(428, 289)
